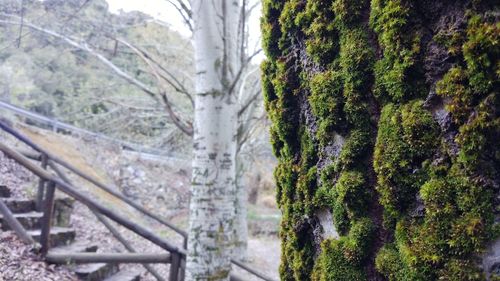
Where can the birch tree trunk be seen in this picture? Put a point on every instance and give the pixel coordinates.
(214, 148)
(240, 206)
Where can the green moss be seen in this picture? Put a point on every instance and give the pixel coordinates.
(285, 177)
(388, 262)
(290, 19)
(457, 225)
(356, 58)
(326, 102)
(453, 85)
(465, 270)
(356, 147)
(341, 259)
(323, 52)
(332, 265)
(398, 75)
(407, 135)
(322, 38)
(271, 31)
(481, 53)
(352, 191)
(340, 217)
(473, 98)
(348, 12)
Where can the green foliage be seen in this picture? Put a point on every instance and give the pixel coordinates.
(51, 77)
(356, 63)
(333, 265)
(481, 54)
(388, 263)
(348, 12)
(356, 146)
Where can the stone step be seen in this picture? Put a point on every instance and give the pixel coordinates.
(95, 271)
(31, 220)
(4, 191)
(76, 247)
(125, 275)
(62, 208)
(59, 236)
(19, 205)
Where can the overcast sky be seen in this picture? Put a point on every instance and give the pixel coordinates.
(159, 9)
(162, 10)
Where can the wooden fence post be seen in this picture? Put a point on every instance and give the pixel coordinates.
(174, 267)
(41, 185)
(48, 209)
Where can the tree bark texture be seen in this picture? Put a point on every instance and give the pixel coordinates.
(211, 219)
(386, 121)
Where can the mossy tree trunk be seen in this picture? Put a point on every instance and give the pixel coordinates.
(386, 124)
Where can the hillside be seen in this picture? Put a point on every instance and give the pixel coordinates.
(45, 74)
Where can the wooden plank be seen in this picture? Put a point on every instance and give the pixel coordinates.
(65, 258)
(48, 209)
(15, 225)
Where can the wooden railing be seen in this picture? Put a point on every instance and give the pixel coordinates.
(45, 201)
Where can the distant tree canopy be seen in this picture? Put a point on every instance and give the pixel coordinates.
(386, 123)
(48, 76)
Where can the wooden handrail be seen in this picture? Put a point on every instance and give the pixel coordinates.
(89, 202)
(92, 180)
(67, 258)
(70, 190)
(108, 225)
(15, 224)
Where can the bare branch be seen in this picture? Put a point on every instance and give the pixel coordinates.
(252, 99)
(21, 27)
(184, 11)
(241, 70)
(186, 128)
(183, 126)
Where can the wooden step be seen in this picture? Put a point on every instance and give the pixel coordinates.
(4, 191)
(19, 205)
(95, 271)
(125, 275)
(59, 236)
(29, 220)
(76, 247)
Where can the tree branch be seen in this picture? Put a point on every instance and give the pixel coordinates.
(186, 128)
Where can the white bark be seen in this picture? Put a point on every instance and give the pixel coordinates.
(212, 212)
(240, 223)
